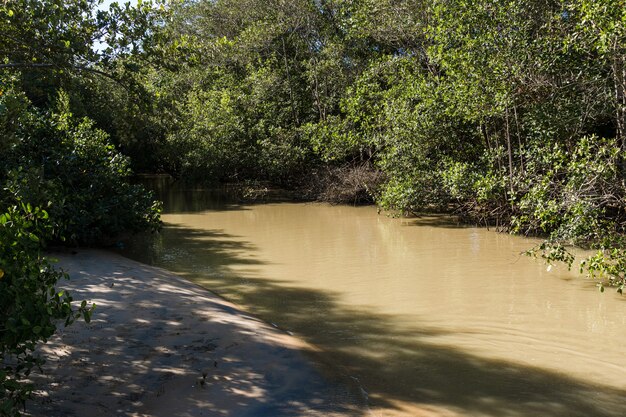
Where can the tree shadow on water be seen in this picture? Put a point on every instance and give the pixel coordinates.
(393, 364)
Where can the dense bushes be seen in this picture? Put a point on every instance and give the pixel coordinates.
(69, 168)
(574, 195)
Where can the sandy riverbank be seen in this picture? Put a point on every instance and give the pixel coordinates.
(159, 345)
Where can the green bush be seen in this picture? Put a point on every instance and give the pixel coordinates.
(69, 167)
(30, 306)
(575, 197)
(567, 194)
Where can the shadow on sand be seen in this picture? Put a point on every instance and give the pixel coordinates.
(160, 346)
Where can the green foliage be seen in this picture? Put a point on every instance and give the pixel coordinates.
(61, 178)
(97, 56)
(62, 35)
(569, 193)
(30, 306)
(69, 167)
(576, 198)
(247, 87)
(62, 181)
(42, 32)
(210, 141)
(607, 265)
(552, 252)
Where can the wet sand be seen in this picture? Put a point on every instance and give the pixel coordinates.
(159, 345)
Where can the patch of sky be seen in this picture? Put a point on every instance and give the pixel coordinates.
(100, 45)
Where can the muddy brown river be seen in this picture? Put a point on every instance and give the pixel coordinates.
(427, 317)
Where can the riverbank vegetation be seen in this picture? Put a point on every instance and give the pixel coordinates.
(508, 114)
(63, 181)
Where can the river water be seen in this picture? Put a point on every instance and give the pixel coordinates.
(428, 317)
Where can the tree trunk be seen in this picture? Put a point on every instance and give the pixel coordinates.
(619, 85)
(519, 139)
(508, 148)
(291, 95)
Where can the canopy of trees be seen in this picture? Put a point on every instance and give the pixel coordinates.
(507, 112)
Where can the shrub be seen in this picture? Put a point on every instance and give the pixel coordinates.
(30, 306)
(69, 167)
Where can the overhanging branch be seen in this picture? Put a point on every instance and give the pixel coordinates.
(17, 65)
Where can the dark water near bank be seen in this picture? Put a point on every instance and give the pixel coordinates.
(430, 317)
